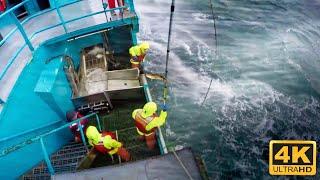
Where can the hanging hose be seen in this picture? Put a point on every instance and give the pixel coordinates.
(165, 89)
(215, 51)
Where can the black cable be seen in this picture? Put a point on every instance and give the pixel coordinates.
(216, 49)
(205, 97)
(215, 28)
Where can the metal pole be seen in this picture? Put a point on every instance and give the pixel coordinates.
(165, 89)
(21, 29)
(98, 122)
(46, 157)
(117, 137)
(82, 136)
(60, 16)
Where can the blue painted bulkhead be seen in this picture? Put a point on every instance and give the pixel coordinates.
(53, 88)
(61, 2)
(25, 111)
(40, 98)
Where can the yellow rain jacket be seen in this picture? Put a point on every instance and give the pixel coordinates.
(98, 140)
(152, 121)
(138, 51)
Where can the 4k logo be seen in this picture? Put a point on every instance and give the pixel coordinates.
(292, 157)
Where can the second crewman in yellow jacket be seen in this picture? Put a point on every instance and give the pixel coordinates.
(146, 121)
(106, 143)
(138, 54)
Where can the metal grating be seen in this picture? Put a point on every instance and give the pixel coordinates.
(65, 160)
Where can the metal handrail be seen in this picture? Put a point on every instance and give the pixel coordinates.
(28, 40)
(28, 19)
(13, 8)
(29, 131)
(32, 140)
(46, 11)
(47, 28)
(72, 20)
(40, 138)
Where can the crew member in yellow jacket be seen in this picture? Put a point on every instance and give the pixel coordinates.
(106, 143)
(138, 54)
(146, 121)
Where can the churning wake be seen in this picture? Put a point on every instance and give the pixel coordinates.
(268, 82)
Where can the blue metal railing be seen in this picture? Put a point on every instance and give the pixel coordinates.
(60, 17)
(20, 28)
(10, 13)
(43, 147)
(24, 133)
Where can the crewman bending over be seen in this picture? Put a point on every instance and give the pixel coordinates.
(146, 121)
(3, 6)
(71, 116)
(106, 143)
(138, 54)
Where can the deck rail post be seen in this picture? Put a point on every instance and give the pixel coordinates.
(46, 157)
(98, 122)
(82, 135)
(57, 6)
(161, 142)
(131, 5)
(22, 31)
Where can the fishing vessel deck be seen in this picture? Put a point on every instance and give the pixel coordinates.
(174, 165)
(119, 121)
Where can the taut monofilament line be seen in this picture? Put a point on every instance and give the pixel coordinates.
(215, 50)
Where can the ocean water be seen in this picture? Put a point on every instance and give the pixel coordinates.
(266, 78)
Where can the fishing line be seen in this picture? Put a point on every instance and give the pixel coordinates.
(215, 51)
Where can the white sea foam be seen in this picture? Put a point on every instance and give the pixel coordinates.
(198, 16)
